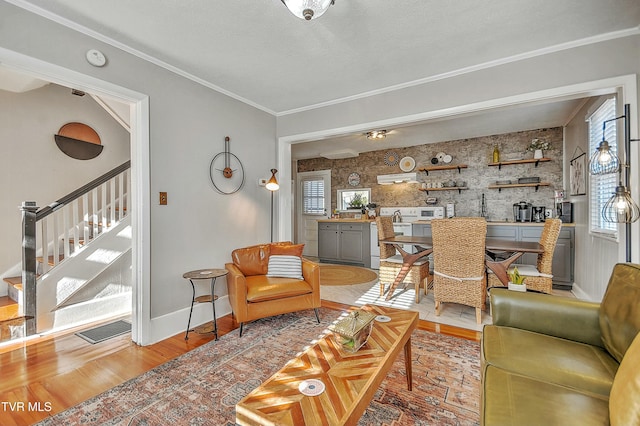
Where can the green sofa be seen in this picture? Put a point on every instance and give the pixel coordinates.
(551, 360)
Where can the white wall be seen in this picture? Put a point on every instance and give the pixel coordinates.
(545, 76)
(595, 255)
(34, 169)
(188, 122)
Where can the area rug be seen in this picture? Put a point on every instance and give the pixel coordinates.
(345, 275)
(203, 386)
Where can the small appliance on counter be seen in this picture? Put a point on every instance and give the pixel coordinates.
(451, 212)
(538, 214)
(565, 211)
(522, 212)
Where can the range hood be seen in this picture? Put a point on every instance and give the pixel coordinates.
(398, 178)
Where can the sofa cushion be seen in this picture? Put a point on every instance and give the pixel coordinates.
(620, 310)
(550, 359)
(285, 266)
(512, 399)
(252, 260)
(624, 402)
(263, 288)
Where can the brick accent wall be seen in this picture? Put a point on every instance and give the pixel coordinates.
(476, 153)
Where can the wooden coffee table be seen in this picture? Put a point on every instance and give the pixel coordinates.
(351, 379)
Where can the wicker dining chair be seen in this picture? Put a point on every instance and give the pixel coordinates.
(391, 262)
(538, 277)
(459, 262)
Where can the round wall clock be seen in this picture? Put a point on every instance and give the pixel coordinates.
(226, 171)
(391, 158)
(354, 179)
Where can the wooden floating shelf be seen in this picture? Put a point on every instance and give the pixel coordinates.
(449, 188)
(447, 167)
(519, 185)
(527, 161)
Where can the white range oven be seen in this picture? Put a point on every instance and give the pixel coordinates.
(404, 227)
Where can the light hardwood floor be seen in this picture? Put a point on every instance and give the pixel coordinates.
(63, 370)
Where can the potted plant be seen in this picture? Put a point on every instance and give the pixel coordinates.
(516, 281)
(538, 146)
(357, 202)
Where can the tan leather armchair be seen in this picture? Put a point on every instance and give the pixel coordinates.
(254, 295)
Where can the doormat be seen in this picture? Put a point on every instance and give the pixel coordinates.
(105, 332)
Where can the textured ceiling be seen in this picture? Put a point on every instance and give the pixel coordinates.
(256, 51)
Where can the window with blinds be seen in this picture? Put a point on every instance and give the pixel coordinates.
(313, 197)
(602, 186)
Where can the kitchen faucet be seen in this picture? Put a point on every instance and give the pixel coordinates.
(397, 217)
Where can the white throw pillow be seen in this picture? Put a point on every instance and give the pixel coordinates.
(285, 266)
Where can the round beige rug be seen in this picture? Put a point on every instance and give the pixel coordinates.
(345, 275)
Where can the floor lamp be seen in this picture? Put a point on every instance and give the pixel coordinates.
(273, 186)
(620, 208)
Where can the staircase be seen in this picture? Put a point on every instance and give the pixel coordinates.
(76, 260)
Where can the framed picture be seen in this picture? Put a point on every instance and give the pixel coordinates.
(578, 175)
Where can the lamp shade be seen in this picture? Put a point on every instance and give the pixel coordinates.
(604, 160)
(308, 9)
(621, 208)
(272, 183)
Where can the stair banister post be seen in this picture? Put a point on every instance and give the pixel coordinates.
(29, 263)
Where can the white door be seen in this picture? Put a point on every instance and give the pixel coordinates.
(314, 202)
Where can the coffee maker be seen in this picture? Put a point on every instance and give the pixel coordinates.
(538, 214)
(522, 212)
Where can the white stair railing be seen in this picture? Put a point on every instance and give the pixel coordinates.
(61, 229)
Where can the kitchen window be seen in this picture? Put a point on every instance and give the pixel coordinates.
(601, 187)
(313, 197)
(353, 198)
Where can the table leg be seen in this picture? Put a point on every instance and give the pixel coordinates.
(193, 299)
(500, 267)
(408, 260)
(407, 364)
(213, 303)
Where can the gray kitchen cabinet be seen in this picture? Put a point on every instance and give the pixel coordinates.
(344, 242)
(563, 255)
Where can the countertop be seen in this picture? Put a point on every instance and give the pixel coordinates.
(346, 220)
(501, 223)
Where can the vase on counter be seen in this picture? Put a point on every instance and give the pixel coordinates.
(537, 154)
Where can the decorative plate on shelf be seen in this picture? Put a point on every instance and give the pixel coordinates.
(391, 158)
(407, 164)
(440, 156)
(354, 179)
(447, 159)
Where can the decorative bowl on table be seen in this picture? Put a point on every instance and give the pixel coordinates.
(352, 331)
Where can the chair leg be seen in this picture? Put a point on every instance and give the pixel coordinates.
(478, 315)
(241, 325)
(381, 288)
(418, 291)
(438, 305)
(317, 315)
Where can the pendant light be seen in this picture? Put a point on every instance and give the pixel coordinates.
(308, 9)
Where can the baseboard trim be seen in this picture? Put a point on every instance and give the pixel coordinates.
(174, 323)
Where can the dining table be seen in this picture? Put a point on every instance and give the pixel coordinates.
(509, 251)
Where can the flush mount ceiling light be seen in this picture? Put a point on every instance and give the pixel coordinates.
(376, 134)
(308, 9)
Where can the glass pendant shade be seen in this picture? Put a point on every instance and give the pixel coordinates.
(308, 9)
(621, 208)
(272, 184)
(604, 160)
